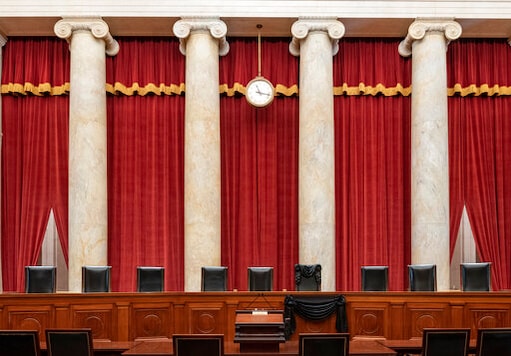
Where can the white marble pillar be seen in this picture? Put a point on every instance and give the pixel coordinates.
(3, 41)
(202, 42)
(89, 38)
(427, 42)
(315, 40)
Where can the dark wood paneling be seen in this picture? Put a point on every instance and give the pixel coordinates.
(128, 316)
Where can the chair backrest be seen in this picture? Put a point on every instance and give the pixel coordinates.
(494, 341)
(150, 279)
(96, 278)
(214, 278)
(260, 278)
(374, 278)
(475, 277)
(307, 277)
(19, 343)
(69, 342)
(445, 342)
(40, 279)
(198, 345)
(322, 344)
(422, 277)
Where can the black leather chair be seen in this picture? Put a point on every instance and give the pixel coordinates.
(214, 278)
(307, 277)
(475, 277)
(260, 278)
(69, 342)
(445, 342)
(150, 279)
(323, 344)
(198, 345)
(40, 279)
(493, 341)
(19, 343)
(422, 277)
(96, 279)
(375, 278)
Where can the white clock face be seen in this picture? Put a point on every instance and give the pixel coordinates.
(259, 92)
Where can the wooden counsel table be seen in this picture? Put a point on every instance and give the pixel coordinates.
(290, 348)
(414, 346)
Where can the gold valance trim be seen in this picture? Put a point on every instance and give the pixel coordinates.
(282, 90)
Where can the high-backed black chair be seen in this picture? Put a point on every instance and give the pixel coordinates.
(374, 278)
(214, 278)
(494, 341)
(150, 279)
(198, 345)
(69, 342)
(475, 277)
(445, 342)
(19, 343)
(422, 277)
(96, 279)
(307, 277)
(40, 279)
(260, 278)
(323, 344)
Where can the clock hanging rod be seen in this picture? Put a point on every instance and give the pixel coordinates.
(259, 26)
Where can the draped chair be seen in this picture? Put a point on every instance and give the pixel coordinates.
(40, 279)
(307, 277)
(493, 341)
(475, 277)
(374, 278)
(150, 279)
(260, 278)
(69, 342)
(422, 277)
(96, 278)
(19, 343)
(445, 342)
(198, 344)
(213, 278)
(324, 344)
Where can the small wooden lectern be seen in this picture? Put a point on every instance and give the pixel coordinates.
(259, 331)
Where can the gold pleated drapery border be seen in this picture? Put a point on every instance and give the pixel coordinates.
(281, 90)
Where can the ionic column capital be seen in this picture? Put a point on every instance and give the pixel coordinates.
(64, 29)
(301, 28)
(3, 41)
(418, 29)
(216, 27)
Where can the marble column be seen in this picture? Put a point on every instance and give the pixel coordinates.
(3, 41)
(89, 39)
(315, 40)
(202, 42)
(427, 42)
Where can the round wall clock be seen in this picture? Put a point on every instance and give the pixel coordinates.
(260, 92)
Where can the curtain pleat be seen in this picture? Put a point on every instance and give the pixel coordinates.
(259, 149)
(372, 155)
(479, 146)
(145, 163)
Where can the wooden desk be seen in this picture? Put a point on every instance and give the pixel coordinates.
(290, 348)
(103, 348)
(414, 346)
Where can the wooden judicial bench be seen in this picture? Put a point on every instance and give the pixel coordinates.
(122, 318)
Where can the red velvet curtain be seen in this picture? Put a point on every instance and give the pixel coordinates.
(34, 151)
(372, 155)
(479, 146)
(259, 149)
(146, 161)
